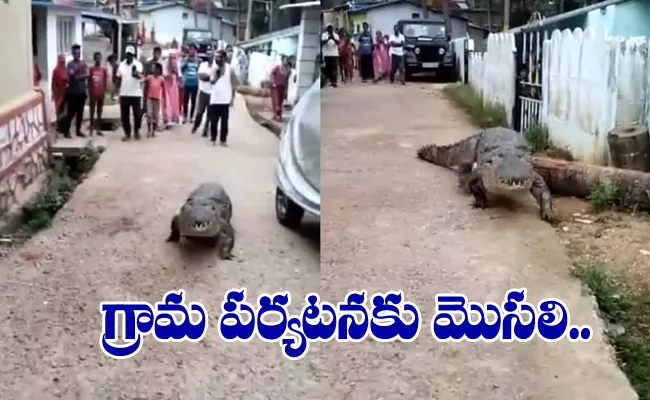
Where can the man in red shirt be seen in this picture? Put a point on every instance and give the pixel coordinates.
(279, 83)
(97, 84)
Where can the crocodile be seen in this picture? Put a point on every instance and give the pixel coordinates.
(205, 216)
(495, 162)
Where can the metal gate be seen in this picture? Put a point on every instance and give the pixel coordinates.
(528, 92)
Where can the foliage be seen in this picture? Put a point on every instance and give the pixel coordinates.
(61, 181)
(604, 195)
(626, 316)
(482, 114)
(537, 137)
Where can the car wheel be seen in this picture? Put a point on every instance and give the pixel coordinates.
(289, 214)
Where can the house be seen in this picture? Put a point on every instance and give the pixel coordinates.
(170, 18)
(382, 16)
(24, 139)
(616, 17)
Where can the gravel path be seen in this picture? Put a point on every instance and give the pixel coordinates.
(108, 243)
(393, 222)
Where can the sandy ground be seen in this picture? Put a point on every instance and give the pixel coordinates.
(393, 222)
(108, 243)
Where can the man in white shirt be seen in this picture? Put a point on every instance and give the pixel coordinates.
(222, 97)
(205, 90)
(330, 49)
(129, 81)
(396, 51)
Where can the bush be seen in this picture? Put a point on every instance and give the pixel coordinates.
(484, 115)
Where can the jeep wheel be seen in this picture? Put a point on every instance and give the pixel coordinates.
(288, 213)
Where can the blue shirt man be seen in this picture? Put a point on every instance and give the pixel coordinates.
(365, 41)
(190, 70)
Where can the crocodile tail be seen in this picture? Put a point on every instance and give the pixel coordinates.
(452, 154)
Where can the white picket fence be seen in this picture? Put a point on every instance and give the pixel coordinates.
(492, 73)
(591, 83)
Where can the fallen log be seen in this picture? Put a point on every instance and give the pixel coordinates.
(577, 179)
(250, 91)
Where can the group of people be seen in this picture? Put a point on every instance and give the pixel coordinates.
(381, 58)
(181, 89)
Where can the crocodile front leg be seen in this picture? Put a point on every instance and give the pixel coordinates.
(477, 190)
(175, 232)
(541, 193)
(465, 175)
(226, 241)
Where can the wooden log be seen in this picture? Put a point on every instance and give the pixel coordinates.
(628, 146)
(577, 179)
(249, 91)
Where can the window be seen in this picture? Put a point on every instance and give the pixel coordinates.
(185, 15)
(64, 34)
(415, 15)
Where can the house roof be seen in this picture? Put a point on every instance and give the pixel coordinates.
(58, 4)
(305, 4)
(371, 6)
(160, 6)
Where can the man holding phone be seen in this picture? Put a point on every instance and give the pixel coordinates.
(76, 93)
(129, 82)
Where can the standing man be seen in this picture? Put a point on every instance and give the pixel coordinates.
(222, 97)
(205, 90)
(365, 54)
(330, 48)
(76, 93)
(129, 82)
(396, 51)
(97, 84)
(190, 71)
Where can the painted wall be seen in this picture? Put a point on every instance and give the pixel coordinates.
(170, 22)
(385, 18)
(631, 18)
(16, 77)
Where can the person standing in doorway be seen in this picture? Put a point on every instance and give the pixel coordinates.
(222, 97)
(97, 83)
(190, 71)
(129, 75)
(205, 89)
(77, 91)
(365, 54)
(396, 52)
(279, 82)
(330, 48)
(59, 88)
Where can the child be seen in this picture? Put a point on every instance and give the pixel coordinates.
(97, 84)
(155, 91)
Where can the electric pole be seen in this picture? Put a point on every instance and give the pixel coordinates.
(208, 12)
(238, 27)
(506, 15)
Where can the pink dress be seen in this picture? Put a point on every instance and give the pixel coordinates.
(380, 59)
(171, 108)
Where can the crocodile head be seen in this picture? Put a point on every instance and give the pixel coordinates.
(199, 218)
(505, 173)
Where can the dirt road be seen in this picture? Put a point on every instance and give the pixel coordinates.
(108, 243)
(392, 222)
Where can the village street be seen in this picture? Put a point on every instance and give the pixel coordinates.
(108, 243)
(392, 222)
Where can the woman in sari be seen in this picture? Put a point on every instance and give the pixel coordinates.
(380, 59)
(59, 87)
(171, 100)
(346, 57)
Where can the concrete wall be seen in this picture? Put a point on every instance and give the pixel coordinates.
(308, 49)
(169, 24)
(631, 18)
(16, 46)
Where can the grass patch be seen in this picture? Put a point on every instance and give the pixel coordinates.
(483, 115)
(38, 213)
(539, 141)
(627, 316)
(604, 195)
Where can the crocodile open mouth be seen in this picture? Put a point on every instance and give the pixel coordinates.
(199, 226)
(515, 183)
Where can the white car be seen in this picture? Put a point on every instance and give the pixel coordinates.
(298, 171)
